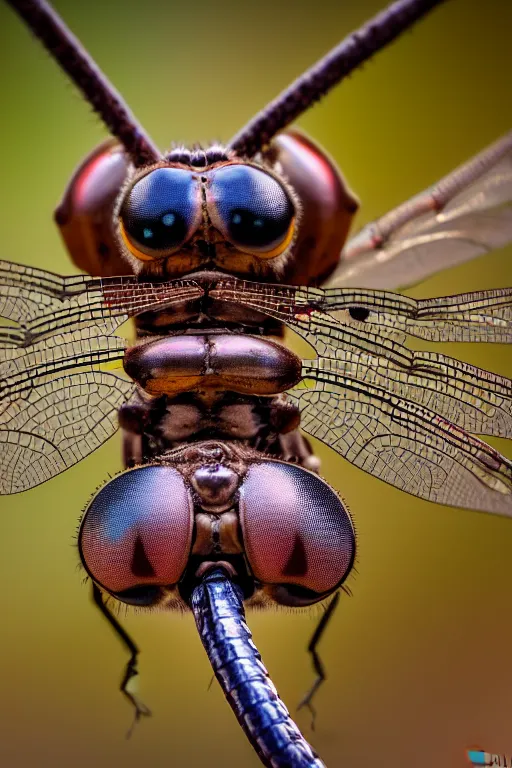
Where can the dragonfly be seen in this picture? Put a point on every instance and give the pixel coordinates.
(206, 532)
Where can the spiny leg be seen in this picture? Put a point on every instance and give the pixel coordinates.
(131, 670)
(317, 663)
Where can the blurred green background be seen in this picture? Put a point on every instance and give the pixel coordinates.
(419, 659)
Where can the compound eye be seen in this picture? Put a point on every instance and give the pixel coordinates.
(252, 210)
(160, 213)
(298, 535)
(136, 534)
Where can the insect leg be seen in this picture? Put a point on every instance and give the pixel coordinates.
(317, 663)
(130, 671)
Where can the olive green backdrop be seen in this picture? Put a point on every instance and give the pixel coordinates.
(419, 659)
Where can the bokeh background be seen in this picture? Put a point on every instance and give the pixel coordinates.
(419, 659)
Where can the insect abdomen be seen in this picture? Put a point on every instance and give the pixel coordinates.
(237, 363)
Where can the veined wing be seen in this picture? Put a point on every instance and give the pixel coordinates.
(409, 417)
(467, 213)
(57, 401)
(39, 303)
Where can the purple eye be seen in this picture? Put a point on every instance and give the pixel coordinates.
(136, 534)
(160, 212)
(252, 209)
(298, 536)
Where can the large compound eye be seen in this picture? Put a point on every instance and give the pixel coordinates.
(252, 209)
(160, 213)
(136, 534)
(298, 536)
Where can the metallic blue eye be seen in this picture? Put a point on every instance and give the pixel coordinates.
(160, 212)
(252, 209)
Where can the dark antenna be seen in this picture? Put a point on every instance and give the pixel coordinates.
(76, 62)
(326, 73)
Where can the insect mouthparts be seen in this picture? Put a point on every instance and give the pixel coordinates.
(206, 249)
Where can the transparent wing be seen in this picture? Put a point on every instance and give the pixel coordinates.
(466, 214)
(57, 401)
(406, 416)
(38, 303)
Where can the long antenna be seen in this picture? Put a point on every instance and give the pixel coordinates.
(326, 73)
(99, 92)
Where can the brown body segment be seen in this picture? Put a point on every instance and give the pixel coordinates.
(237, 363)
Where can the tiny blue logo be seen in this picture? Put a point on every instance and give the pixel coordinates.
(478, 757)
